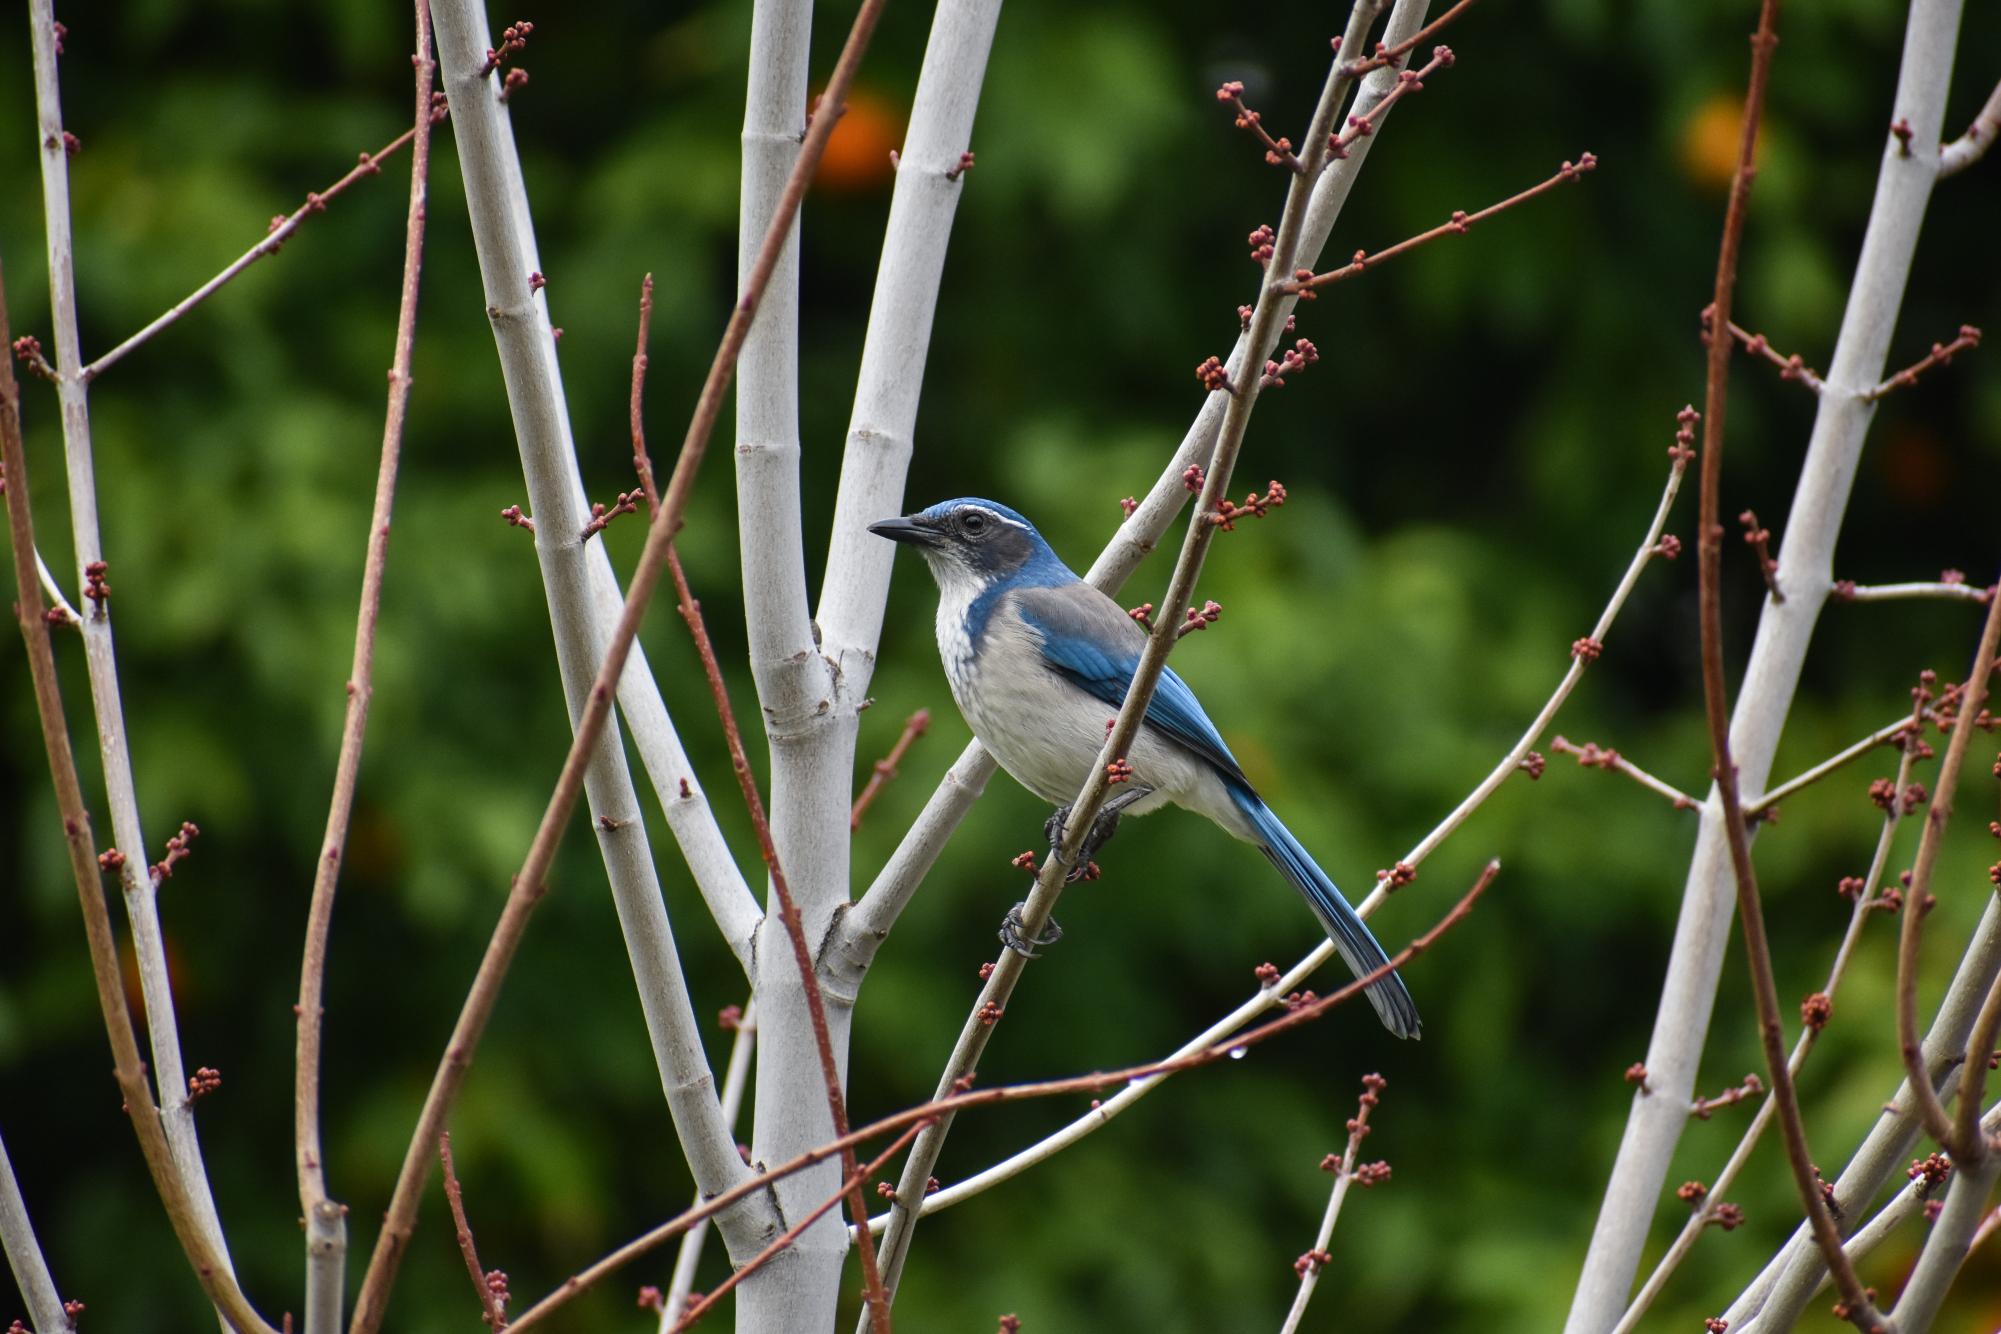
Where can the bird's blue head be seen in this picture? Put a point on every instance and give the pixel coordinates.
(977, 542)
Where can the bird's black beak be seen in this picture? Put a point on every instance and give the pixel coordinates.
(905, 530)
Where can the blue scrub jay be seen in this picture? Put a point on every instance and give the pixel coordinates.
(1038, 659)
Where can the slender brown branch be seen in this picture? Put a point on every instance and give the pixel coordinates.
(1704, 1108)
(128, 1068)
(1457, 225)
(1364, 123)
(1389, 55)
(967, 1097)
(361, 673)
(1593, 756)
(530, 884)
(1278, 152)
(1790, 367)
(495, 1315)
(885, 768)
(795, 928)
(855, 1184)
(1860, 1310)
(1962, 1143)
(282, 227)
(1973, 1076)
(1940, 355)
(1759, 539)
(641, 463)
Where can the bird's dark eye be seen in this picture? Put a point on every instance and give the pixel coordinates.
(973, 523)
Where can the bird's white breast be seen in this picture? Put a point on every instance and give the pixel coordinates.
(1044, 729)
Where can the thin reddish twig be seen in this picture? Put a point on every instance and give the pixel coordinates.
(531, 882)
(1704, 1108)
(1960, 1140)
(128, 1068)
(1457, 225)
(282, 227)
(361, 672)
(968, 1097)
(795, 927)
(1278, 152)
(1750, 911)
(1790, 367)
(1408, 82)
(1593, 756)
(642, 464)
(1759, 539)
(1389, 55)
(885, 768)
(494, 1314)
(1940, 355)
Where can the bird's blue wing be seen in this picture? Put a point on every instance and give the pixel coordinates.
(1090, 640)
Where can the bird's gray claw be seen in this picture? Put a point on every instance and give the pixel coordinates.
(1052, 828)
(1013, 933)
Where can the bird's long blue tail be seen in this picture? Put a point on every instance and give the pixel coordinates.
(1351, 936)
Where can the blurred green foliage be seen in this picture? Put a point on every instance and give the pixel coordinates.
(1470, 466)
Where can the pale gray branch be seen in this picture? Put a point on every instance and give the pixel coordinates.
(1805, 575)
(504, 236)
(24, 1256)
(867, 924)
(54, 590)
(1946, 1244)
(688, 1259)
(1903, 1206)
(100, 656)
(1970, 147)
(1881, 736)
(882, 427)
(1892, 592)
(793, 681)
(326, 1266)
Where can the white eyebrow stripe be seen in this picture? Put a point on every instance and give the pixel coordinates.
(1001, 518)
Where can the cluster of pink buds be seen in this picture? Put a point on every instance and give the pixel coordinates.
(601, 516)
(1683, 448)
(512, 38)
(177, 849)
(1302, 355)
(1261, 245)
(202, 1082)
(1255, 506)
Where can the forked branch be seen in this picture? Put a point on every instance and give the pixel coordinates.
(530, 883)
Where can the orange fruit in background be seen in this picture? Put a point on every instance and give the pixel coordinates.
(1709, 141)
(857, 156)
